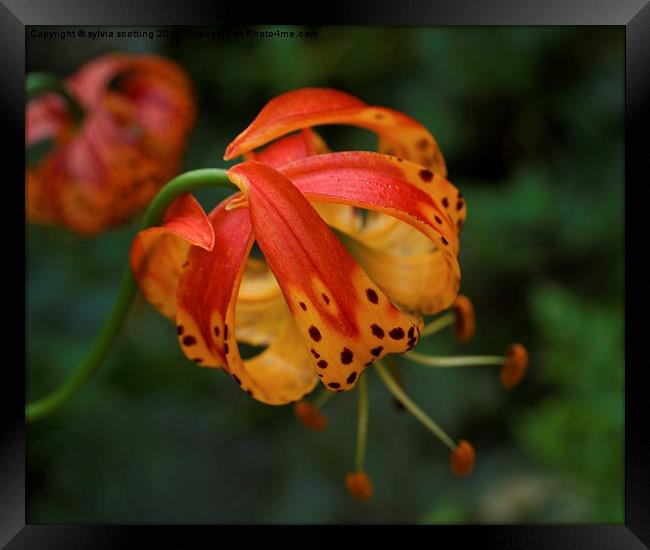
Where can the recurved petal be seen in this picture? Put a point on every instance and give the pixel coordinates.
(344, 319)
(418, 280)
(401, 189)
(306, 107)
(206, 302)
(287, 149)
(158, 253)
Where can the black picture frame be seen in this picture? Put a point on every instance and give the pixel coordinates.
(634, 15)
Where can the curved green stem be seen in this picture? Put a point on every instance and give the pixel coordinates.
(210, 177)
(362, 426)
(40, 83)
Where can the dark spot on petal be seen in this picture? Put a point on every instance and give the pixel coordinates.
(459, 205)
(225, 332)
(320, 375)
(322, 364)
(445, 202)
(236, 379)
(303, 306)
(315, 353)
(352, 378)
(189, 340)
(377, 351)
(346, 356)
(249, 393)
(217, 332)
(459, 223)
(422, 144)
(397, 333)
(445, 241)
(379, 116)
(425, 175)
(411, 331)
(369, 363)
(226, 349)
(198, 360)
(185, 264)
(180, 329)
(400, 159)
(326, 298)
(411, 342)
(437, 219)
(460, 195)
(372, 296)
(334, 385)
(314, 333)
(377, 330)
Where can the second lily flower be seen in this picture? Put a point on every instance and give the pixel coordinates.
(321, 313)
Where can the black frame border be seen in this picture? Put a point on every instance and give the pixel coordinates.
(634, 15)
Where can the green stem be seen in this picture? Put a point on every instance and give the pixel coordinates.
(40, 83)
(460, 361)
(410, 406)
(438, 324)
(362, 425)
(209, 177)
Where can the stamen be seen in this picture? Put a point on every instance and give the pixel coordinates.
(462, 459)
(438, 324)
(362, 425)
(461, 316)
(358, 483)
(310, 415)
(515, 366)
(410, 406)
(394, 371)
(460, 361)
(465, 323)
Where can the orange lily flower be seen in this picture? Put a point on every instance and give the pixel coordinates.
(319, 312)
(337, 290)
(137, 112)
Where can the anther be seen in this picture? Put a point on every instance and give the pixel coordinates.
(310, 416)
(462, 459)
(359, 485)
(464, 324)
(514, 366)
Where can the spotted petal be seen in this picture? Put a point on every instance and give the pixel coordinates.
(400, 188)
(344, 319)
(158, 253)
(207, 306)
(400, 134)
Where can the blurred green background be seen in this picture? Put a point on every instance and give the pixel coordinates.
(531, 124)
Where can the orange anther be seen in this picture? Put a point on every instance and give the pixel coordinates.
(359, 485)
(462, 458)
